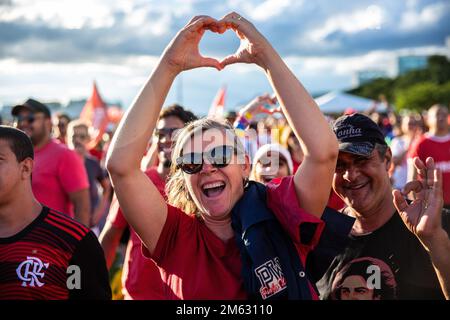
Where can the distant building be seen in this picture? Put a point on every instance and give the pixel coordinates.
(409, 63)
(366, 76)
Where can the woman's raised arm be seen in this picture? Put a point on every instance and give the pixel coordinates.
(314, 177)
(141, 203)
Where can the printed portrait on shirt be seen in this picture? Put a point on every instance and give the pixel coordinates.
(364, 278)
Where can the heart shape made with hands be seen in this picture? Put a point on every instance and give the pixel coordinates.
(270, 109)
(220, 27)
(269, 105)
(214, 42)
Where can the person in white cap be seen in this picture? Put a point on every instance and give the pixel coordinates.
(271, 161)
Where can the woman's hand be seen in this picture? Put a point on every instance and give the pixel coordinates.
(183, 53)
(254, 47)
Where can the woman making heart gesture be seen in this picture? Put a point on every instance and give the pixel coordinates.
(219, 236)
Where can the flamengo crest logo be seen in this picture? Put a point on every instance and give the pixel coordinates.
(271, 278)
(30, 272)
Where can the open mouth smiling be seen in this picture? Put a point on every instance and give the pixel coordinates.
(213, 189)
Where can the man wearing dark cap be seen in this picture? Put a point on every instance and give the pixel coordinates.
(410, 238)
(59, 177)
(26, 114)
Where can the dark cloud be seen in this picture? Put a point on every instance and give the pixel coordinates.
(291, 35)
(386, 39)
(37, 41)
(6, 3)
(42, 43)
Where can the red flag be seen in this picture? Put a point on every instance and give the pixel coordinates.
(95, 112)
(114, 114)
(218, 105)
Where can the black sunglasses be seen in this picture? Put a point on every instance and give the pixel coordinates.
(219, 157)
(28, 118)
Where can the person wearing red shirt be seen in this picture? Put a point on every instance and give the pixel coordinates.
(44, 254)
(59, 179)
(435, 144)
(141, 277)
(192, 237)
(61, 125)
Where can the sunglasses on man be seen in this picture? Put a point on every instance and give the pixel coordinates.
(218, 157)
(30, 118)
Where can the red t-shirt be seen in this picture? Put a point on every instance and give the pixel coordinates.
(34, 263)
(295, 165)
(439, 149)
(98, 154)
(57, 172)
(334, 201)
(196, 264)
(141, 278)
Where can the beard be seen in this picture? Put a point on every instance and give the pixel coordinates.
(37, 137)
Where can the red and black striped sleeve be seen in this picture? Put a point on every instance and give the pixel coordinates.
(90, 259)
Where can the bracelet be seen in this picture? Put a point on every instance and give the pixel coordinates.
(243, 121)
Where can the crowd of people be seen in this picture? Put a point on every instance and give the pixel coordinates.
(273, 201)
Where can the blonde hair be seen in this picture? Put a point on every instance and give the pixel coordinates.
(176, 189)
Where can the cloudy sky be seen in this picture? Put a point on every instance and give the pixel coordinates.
(54, 49)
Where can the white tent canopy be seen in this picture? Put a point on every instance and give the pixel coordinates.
(338, 102)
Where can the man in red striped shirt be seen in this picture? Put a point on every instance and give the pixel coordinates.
(43, 253)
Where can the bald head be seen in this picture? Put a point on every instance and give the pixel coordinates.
(438, 119)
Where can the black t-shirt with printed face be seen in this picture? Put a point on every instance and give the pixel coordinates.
(389, 263)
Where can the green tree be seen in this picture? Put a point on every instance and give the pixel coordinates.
(439, 67)
(376, 87)
(417, 89)
(422, 95)
(411, 78)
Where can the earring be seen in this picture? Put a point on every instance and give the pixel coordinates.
(245, 182)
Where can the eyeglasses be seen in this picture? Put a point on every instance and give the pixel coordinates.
(218, 157)
(165, 132)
